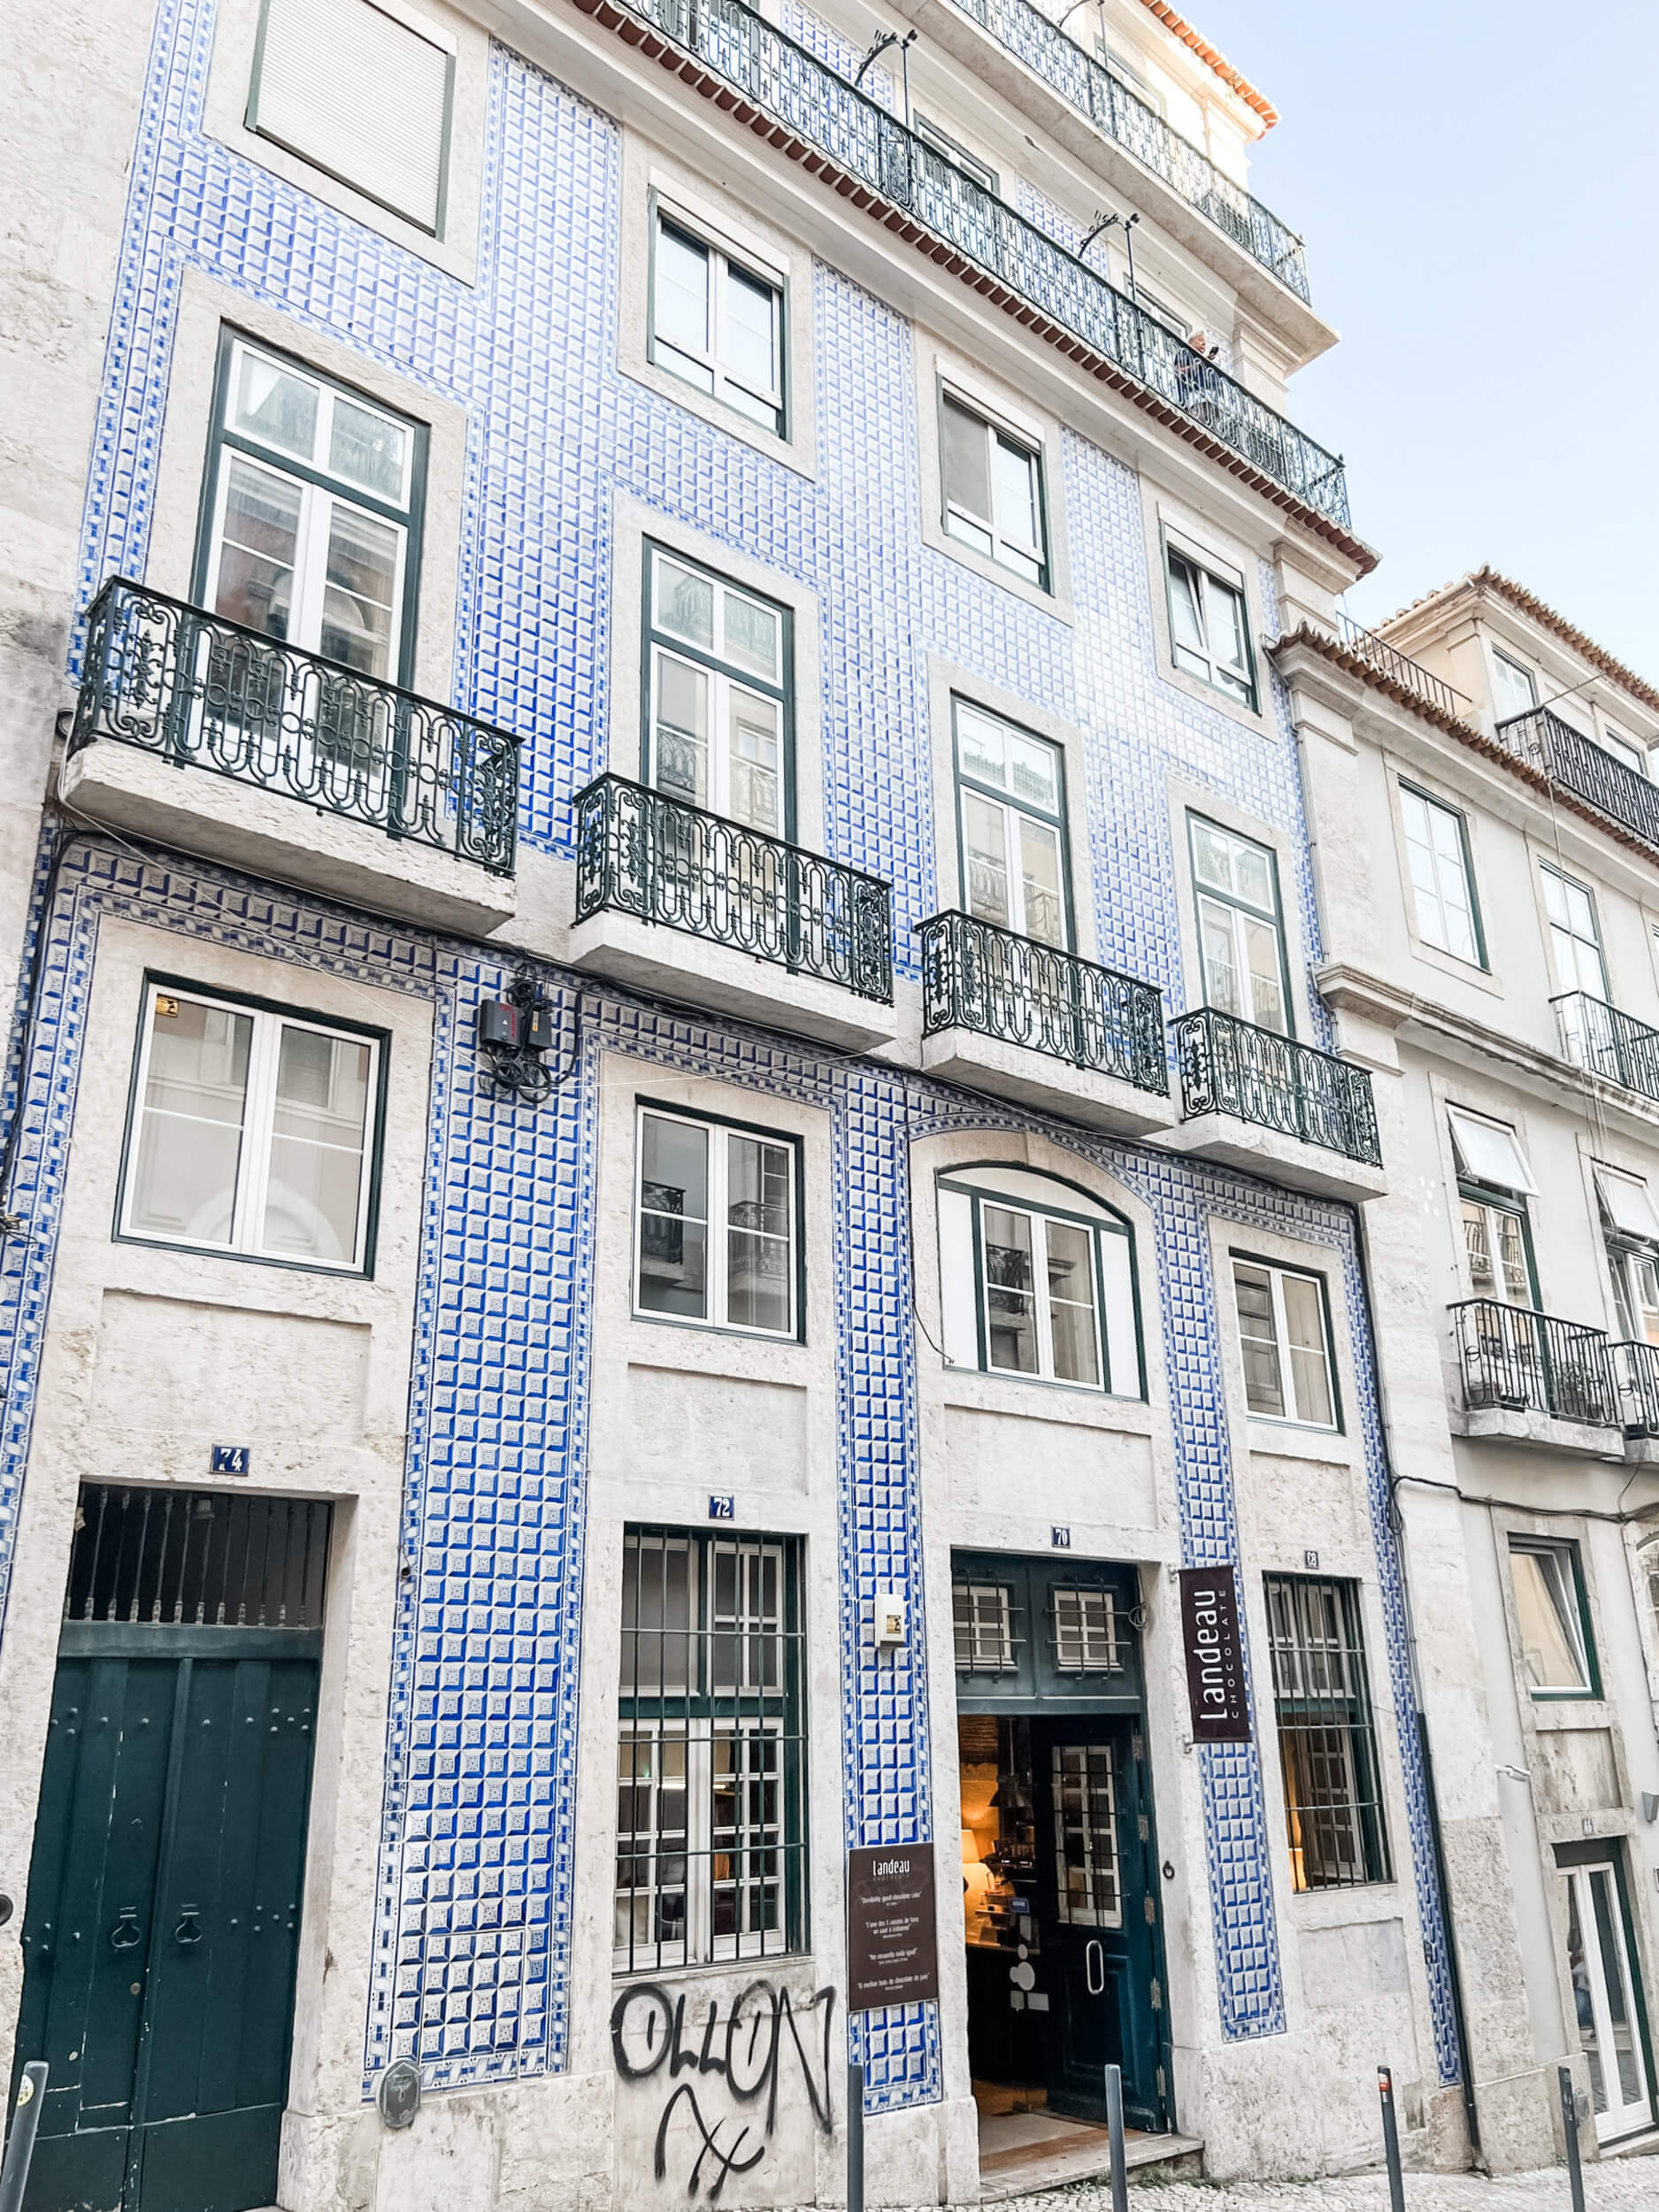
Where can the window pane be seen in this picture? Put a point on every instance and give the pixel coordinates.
(1071, 1303)
(684, 604)
(362, 578)
(1010, 1305)
(1036, 777)
(1186, 622)
(681, 301)
(753, 636)
(759, 1259)
(1018, 511)
(1225, 611)
(1516, 694)
(1253, 876)
(316, 1179)
(982, 747)
(984, 845)
(1223, 987)
(680, 750)
(756, 791)
(751, 328)
(967, 463)
(1611, 1943)
(275, 406)
(650, 1918)
(673, 1218)
(1039, 881)
(1263, 1384)
(1267, 981)
(367, 450)
(1547, 1614)
(1304, 1326)
(256, 562)
(656, 1623)
(190, 1134)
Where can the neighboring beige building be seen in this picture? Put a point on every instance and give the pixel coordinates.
(1485, 817)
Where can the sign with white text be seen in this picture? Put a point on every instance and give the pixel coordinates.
(891, 1946)
(1215, 1658)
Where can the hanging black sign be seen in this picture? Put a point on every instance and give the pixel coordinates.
(892, 1950)
(1215, 1660)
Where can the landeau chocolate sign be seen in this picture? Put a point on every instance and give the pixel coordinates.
(1215, 1662)
(892, 1953)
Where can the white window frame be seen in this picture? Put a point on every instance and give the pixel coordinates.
(1039, 1223)
(1491, 1216)
(1518, 673)
(989, 535)
(955, 153)
(1430, 899)
(1282, 1346)
(1234, 679)
(1087, 1916)
(253, 1160)
(722, 385)
(1569, 1563)
(718, 1225)
(1478, 1147)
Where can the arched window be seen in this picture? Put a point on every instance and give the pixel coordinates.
(1037, 1278)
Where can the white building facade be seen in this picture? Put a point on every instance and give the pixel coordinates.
(675, 1136)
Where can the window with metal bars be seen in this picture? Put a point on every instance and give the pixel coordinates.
(983, 1617)
(1086, 1640)
(1327, 1737)
(711, 1750)
(197, 1559)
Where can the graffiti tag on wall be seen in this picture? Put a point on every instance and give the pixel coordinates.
(738, 2059)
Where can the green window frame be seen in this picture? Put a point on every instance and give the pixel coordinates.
(1552, 1607)
(711, 1757)
(1334, 1815)
(1224, 862)
(1032, 908)
(1433, 871)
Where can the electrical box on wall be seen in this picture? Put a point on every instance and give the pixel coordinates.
(889, 1618)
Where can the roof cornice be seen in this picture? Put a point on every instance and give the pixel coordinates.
(1492, 580)
(1214, 59)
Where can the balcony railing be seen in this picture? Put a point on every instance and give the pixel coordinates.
(976, 976)
(1088, 86)
(1636, 1380)
(1229, 1067)
(1518, 1361)
(201, 692)
(640, 852)
(814, 104)
(1399, 668)
(1597, 1036)
(1583, 767)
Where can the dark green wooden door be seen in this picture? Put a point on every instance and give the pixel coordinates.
(164, 1910)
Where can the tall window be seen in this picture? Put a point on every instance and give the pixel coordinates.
(1625, 749)
(1494, 1183)
(1209, 631)
(716, 1224)
(1038, 1280)
(1285, 1336)
(717, 323)
(1010, 794)
(1327, 1738)
(1442, 878)
(718, 696)
(952, 151)
(993, 487)
(313, 514)
(1240, 933)
(1632, 1225)
(1574, 940)
(1553, 1616)
(1514, 691)
(252, 1132)
(375, 114)
(711, 1751)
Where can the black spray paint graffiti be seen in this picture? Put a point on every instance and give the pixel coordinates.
(648, 2033)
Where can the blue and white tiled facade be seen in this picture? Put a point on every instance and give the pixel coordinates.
(478, 1872)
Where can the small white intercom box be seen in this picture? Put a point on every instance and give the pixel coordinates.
(889, 1618)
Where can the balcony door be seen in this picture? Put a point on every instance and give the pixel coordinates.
(1610, 2007)
(1010, 804)
(311, 532)
(1241, 930)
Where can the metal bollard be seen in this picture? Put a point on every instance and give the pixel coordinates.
(855, 2137)
(1570, 2121)
(1391, 2139)
(26, 2120)
(1115, 2129)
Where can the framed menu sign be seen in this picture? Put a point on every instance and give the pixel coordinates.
(892, 1942)
(1215, 1660)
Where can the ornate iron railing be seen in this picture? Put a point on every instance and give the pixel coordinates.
(1230, 1066)
(1089, 86)
(1636, 1380)
(640, 852)
(1578, 765)
(1399, 668)
(814, 103)
(1523, 1361)
(205, 693)
(976, 976)
(1597, 1036)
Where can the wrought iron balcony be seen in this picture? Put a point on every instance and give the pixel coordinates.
(643, 853)
(1399, 668)
(1636, 1380)
(1088, 86)
(201, 692)
(809, 102)
(1579, 766)
(1517, 1360)
(1597, 1036)
(976, 976)
(1229, 1067)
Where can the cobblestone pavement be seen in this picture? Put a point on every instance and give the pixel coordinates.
(1611, 2188)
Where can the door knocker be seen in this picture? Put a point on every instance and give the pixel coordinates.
(126, 1932)
(189, 1927)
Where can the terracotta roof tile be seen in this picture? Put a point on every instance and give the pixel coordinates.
(1489, 578)
(1232, 78)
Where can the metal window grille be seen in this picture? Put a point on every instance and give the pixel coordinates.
(196, 1558)
(1327, 1737)
(983, 1617)
(1087, 1889)
(1086, 1638)
(711, 1751)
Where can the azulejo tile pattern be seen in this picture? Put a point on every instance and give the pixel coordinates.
(471, 1967)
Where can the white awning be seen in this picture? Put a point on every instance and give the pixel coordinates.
(1488, 1153)
(1629, 1204)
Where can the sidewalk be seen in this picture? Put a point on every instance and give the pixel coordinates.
(1606, 2188)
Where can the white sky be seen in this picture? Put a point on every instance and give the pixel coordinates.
(1479, 187)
